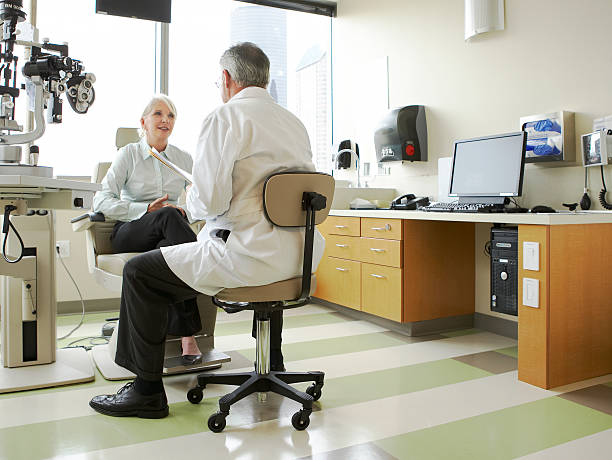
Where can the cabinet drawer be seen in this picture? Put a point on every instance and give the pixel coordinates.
(339, 281)
(337, 225)
(344, 247)
(381, 291)
(390, 229)
(382, 252)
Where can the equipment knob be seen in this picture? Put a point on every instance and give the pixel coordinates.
(504, 276)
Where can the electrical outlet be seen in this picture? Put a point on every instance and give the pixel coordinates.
(64, 248)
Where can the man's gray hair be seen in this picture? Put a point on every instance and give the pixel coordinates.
(247, 64)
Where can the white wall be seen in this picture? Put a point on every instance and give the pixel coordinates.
(553, 55)
(77, 264)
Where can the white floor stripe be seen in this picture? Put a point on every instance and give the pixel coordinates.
(345, 426)
(247, 315)
(37, 408)
(403, 355)
(301, 334)
(597, 446)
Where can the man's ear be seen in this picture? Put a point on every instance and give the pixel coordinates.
(227, 78)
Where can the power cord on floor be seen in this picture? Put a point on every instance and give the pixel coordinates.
(92, 342)
(80, 297)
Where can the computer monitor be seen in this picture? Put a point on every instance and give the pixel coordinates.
(488, 169)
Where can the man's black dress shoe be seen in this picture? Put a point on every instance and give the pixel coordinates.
(129, 403)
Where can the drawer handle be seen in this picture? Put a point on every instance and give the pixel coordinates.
(342, 245)
(386, 228)
(377, 276)
(342, 269)
(377, 250)
(341, 226)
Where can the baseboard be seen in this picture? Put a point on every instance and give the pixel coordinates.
(417, 328)
(501, 326)
(92, 305)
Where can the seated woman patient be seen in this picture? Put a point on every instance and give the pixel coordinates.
(142, 195)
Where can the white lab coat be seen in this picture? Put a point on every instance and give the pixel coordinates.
(241, 143)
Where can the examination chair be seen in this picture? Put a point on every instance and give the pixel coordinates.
(296, 199)
(107, 268)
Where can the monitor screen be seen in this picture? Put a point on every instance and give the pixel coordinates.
(490, 166)
(153, 10)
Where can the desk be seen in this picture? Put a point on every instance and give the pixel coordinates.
(569, 337)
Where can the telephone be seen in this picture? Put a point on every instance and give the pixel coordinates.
(409, 202)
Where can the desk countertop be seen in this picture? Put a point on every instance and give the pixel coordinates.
(12, 181)
(560, 218)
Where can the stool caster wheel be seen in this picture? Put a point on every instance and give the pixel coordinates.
(300, 420)
(314, 391)
(216, 422)
(195, 395)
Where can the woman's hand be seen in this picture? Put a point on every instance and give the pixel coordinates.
(158, 204)
(161, 203)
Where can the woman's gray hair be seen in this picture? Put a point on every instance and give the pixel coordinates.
(247, 64)
(154, 100)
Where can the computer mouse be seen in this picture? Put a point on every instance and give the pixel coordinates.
(543, 209)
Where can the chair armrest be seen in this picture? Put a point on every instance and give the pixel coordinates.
(85, 221)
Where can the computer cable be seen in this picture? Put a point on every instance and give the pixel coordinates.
(602, 193)
(487, 249)
(6, 225)
(80, 297)
(585, 201)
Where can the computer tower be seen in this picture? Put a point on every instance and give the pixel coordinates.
(504, 270)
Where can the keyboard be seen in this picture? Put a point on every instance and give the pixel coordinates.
(456, 207)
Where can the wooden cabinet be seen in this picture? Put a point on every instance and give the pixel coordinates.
(381, 291)
(339, 281)
(361, 268)
(403, 270)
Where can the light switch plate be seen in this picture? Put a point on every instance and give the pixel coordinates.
(531, 292)
(531, 256)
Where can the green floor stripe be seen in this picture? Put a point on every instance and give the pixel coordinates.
(354, 389)
(503, 434)
(319, 319)
(73, 320)
(82, 434)
(510, 351)
(335, 346)
(460, 333)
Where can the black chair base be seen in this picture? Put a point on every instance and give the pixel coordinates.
(251, 382)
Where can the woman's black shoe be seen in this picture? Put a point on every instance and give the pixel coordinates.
(129, 403)
(190, 360)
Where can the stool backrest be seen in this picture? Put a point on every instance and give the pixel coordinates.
(283, 196)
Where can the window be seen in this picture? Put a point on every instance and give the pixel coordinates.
(120, 52)
(298, 45)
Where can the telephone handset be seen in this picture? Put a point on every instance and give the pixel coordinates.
(409, 202)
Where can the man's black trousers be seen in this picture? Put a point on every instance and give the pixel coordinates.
(149, 290)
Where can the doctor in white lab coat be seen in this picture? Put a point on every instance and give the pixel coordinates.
(241, 143)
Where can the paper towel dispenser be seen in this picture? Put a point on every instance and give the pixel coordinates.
(402, 135)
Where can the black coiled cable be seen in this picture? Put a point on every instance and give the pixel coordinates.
(6, 224)
(602, 193)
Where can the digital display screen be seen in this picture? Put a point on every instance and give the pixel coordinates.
(489, 166)
(591, 150)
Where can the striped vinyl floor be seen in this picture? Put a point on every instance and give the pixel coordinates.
(386, 396)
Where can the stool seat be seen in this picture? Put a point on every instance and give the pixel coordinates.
(286, 290)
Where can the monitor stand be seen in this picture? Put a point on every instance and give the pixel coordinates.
(492, 200)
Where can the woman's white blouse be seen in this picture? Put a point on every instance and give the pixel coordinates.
(135, 179)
